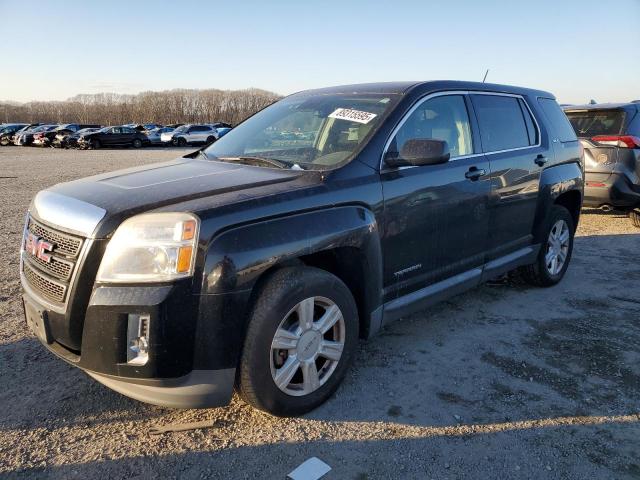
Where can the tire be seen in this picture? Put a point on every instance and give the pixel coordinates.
(210, 140)
(541, 273)
(95, 144)
(634, 216)
(181, 142)
(275, 307)
(137, 143)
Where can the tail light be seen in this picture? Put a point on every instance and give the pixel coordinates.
(622, 141)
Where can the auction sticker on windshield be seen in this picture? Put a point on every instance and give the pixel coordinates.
(353, 115)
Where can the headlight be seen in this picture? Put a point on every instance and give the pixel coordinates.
(152, 247)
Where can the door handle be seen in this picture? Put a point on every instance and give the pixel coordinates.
(475, 173)
(540, 160)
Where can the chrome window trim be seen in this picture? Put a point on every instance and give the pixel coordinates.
(461, 157)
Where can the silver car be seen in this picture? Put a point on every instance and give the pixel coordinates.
(155, 135)
(189, 134)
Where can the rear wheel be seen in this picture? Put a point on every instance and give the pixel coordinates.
(634, 215)
(137, 143)
(210, 140)
(555, 251)
(301, 337)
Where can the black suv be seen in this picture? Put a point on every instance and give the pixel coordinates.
(260, 260)
(610, 135)
(121, 136)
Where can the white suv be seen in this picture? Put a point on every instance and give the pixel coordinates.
(188, 134)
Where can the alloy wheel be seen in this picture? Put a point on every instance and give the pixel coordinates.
(557, 247)
(307, 346)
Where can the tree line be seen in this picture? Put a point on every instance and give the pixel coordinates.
(165, 107)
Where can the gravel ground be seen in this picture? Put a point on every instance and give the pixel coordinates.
(504, 381)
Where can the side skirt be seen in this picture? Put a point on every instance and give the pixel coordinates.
(437, 292)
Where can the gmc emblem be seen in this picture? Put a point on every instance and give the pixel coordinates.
(38, 247)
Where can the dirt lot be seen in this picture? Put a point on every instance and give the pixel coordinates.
(504, 381)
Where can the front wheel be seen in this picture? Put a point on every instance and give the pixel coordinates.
(634, 216)
(301, 337)
(95, 144)
(137, 143)
(555, 251)
(181, 142)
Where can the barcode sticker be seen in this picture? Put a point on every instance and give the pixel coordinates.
(353, 115)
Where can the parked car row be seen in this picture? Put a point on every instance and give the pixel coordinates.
(87, 136)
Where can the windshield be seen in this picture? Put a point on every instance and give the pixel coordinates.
(588, 123)
(312, 131)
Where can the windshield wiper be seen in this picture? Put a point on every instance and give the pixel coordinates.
(263, 160)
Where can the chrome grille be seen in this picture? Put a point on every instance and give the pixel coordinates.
(47, 288)
(65, 244)
(51, 279)
(57, 267)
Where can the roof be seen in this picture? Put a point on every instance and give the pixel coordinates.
(425, 86)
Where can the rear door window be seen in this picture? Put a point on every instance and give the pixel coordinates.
(559, 121)
(501, 122)
(588, 123)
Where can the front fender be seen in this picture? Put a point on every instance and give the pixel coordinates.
(236, 258)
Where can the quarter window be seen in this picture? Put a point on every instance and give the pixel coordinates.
(439, 118)
(502, 123)
(558, 120)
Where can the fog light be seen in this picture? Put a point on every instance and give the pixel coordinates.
(138, 339)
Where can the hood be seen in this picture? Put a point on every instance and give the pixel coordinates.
(123, 193)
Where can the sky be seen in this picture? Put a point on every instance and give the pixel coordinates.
(577, 49)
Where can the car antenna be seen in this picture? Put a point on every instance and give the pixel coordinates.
(485, 75)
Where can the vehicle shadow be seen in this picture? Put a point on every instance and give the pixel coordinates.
(43, 390)
(394, 453)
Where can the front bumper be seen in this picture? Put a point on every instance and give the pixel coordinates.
(198, 389)
(177, 373)
(610, 189)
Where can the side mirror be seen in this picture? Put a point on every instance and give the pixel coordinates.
(419, 151)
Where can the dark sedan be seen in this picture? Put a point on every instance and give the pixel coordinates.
(113, 137)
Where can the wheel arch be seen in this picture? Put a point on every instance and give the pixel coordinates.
(559, 185)
(572, 201)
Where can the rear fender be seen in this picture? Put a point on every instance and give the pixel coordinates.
(555, 181)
